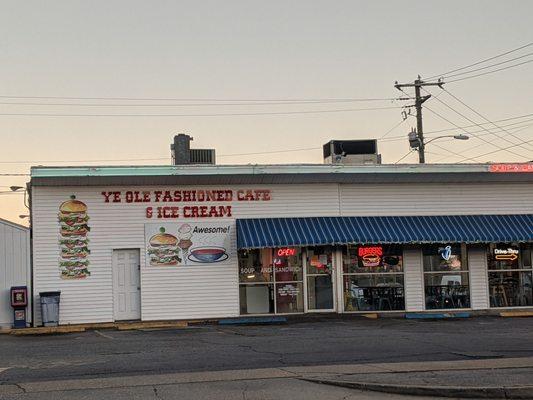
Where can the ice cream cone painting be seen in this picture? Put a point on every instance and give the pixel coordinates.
(185, 242)
(73, 241)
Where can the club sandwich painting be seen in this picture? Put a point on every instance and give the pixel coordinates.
(73, 240)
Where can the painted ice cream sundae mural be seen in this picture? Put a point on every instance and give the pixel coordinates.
(73, 241)
(163, 249)
(185, 243)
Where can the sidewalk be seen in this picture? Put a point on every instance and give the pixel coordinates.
(508, 377)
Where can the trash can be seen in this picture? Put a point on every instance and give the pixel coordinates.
(50, 308)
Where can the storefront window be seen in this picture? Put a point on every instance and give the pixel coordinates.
(373, 278)
(510, 275)
(446, 277)
(271, 281)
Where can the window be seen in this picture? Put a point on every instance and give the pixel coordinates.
(373, 278)
(270, 281)
(446, 277)
(510, 275)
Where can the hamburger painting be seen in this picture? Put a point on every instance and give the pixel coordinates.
(163, 249)
(73, 241)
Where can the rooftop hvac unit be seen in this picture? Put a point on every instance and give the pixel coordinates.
(351, 152)
(202, 156)
(182, 154)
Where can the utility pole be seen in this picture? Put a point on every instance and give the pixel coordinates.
(419, 100)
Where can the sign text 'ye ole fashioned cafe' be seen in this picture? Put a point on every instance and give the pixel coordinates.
(166, 200)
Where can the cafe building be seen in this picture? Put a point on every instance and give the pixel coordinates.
(220, 241)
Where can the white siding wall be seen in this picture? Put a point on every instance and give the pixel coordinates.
(14, 266)
(436, 199)
(184, 292)
(414, 280)
(208, 291)
(479, 292)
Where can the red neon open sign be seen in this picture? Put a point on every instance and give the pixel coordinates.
(286, 252)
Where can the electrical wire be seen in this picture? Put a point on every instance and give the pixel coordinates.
(404, 156)
(485, 123)
(396, 138)
(490, 72)
(392, 129)
(474, 122)
(469, 133)
(482, 116)
(480, 62)
(487, 67)
(495, 151)
(277, 103)
(192, 99)
(199, 115)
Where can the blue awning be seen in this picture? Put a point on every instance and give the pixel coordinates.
(275, 232)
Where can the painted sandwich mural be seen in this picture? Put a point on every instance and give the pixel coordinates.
(163, 249)
(73, 241)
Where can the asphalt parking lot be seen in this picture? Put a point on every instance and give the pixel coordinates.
(214, 348)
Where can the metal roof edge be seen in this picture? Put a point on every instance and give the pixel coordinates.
(14, 224)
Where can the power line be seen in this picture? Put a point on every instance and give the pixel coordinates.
(402, 137)
(488, 66)
(474, 122)
(14, 174)
(490, 72)
(481, 62)
(392, 129)
(272, 103)
(485, 123)
(482, 116)
(469, 133)
(193, 99)
(404, 156)
(495, 151)
(199, 115)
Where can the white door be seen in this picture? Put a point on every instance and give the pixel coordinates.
(126, 284)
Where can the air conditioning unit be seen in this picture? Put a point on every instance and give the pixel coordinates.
(351, 152)
(202, 156)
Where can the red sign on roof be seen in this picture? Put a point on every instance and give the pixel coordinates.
(528, 167)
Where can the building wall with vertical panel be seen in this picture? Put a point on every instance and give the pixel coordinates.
(207, 291)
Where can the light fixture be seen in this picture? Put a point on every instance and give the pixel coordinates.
(15, 188)
(461, 137)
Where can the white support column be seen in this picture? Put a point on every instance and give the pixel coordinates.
(414, 280)
(479, 290)
(338, 281)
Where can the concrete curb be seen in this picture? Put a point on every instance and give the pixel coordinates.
(121, 326)
(518, 392)
(507, 314)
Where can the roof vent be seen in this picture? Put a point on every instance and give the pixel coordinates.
(351, 152)
(182, 154)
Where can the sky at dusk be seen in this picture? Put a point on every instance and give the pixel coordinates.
(183, 62)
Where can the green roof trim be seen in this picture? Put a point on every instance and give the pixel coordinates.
(210, 170)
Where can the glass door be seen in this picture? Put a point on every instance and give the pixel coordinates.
(319, 279)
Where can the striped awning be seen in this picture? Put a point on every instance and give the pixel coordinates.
(275, 232)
